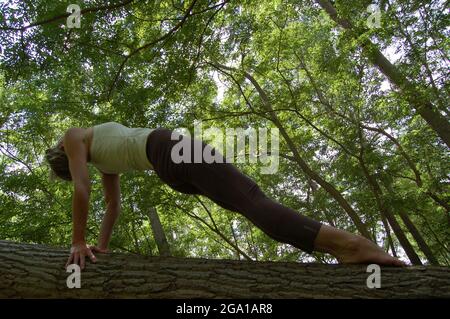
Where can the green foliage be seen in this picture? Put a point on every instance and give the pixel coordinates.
(336, 107)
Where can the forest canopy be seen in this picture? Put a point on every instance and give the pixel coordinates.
(359, 91)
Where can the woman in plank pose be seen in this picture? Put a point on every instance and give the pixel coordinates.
(113, 149)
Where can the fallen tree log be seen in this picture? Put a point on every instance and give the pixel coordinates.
(37, 271)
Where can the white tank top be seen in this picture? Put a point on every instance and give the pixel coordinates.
(116, 148)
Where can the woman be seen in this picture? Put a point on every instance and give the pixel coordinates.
(113, 148)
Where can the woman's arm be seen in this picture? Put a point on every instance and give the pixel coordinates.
(77, 154)
(111, 187)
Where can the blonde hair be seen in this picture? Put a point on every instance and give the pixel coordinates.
(59, 163)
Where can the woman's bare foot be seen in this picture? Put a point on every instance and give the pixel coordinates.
(352, 249)
(359, 250)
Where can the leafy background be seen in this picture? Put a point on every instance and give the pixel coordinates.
(352, 143)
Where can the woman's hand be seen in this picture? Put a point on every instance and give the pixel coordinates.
(78, 253)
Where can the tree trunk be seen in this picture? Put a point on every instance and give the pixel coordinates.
(389, 241)
(415, 232)
(418, 238)
(36, 271)
(384, 209)
(158, 233)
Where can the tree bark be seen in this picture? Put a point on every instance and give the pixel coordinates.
(37, 271)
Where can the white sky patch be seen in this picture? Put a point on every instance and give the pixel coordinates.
(393, 53)
(88, 66)
(385, 86)
(11, 5)
(220, 86)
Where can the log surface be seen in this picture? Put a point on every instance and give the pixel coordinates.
(37, 271)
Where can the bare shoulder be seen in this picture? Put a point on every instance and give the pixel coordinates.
(74, 142)
(75, 132)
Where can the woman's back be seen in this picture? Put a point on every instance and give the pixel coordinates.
(116, 148)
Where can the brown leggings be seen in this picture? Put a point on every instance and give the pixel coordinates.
(224, 184)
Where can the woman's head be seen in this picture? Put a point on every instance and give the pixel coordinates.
(59, 163)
